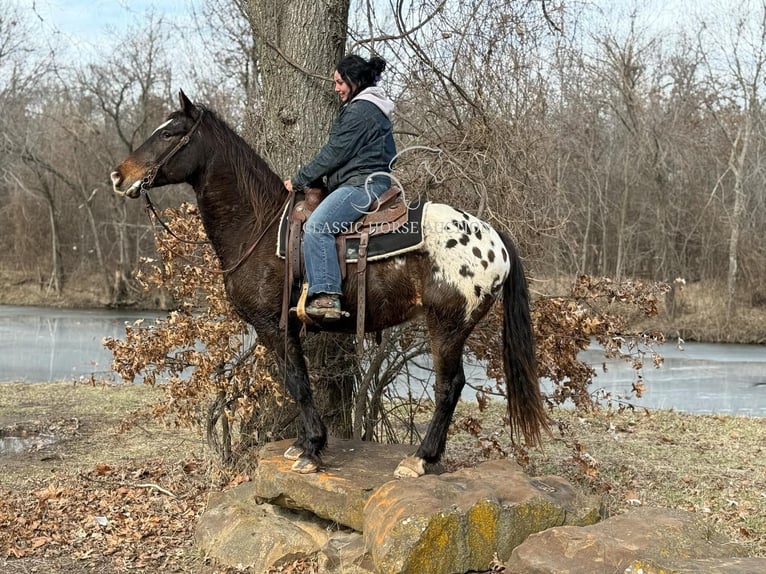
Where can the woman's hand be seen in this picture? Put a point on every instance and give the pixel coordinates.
(289, 185)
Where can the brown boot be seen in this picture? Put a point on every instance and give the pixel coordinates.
(324, 306)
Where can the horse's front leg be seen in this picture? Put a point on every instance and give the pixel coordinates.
(307, 448)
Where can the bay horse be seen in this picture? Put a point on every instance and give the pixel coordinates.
(461, 269)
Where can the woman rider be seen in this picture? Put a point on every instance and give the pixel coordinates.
(355, 162)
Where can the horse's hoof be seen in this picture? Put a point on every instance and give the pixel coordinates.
(410, 467)
(293, 453)
(305, 465)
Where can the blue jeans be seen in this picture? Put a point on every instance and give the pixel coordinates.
(336, 214)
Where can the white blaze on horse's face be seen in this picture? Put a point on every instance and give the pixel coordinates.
(466, 253)
(162, 125)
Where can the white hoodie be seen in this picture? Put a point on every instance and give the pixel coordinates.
(377, 96)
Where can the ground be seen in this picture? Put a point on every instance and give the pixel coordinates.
(110, 500)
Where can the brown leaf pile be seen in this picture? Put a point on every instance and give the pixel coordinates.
(139, 516)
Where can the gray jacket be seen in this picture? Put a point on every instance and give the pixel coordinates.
(361, 142)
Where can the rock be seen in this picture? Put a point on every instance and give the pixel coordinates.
(452, 523)
(237, 532)
(344, 553)
(457, 522)
(612, 545)
(702, 566)
(351, 472)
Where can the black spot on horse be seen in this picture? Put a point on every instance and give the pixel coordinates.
(491, 256)
(484, 263)
(464, 239)
(477, 252)
(465, 271)
(505, 254)
(478, 234)
(451, 243)
(464, 214)
(435, 269)
(477, 290)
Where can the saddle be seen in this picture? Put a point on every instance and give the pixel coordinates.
(386, 215)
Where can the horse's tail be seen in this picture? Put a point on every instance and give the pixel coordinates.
(526, 410)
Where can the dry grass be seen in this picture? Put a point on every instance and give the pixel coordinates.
(708, 464)
(701, 316)
(150, 482)
(711, 465)
(90, 418)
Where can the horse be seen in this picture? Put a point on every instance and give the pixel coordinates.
(452, 280)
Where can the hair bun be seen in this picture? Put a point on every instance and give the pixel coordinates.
(377, 65)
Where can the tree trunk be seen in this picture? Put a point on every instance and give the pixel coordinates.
(622, 226)
(298, 45)
(332, 358)
(56, 277)
(56, 271)
(737, 164)
(118, 290)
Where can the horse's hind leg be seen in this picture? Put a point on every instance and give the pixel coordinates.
(448, 336)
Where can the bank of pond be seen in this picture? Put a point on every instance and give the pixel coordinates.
(41, 344)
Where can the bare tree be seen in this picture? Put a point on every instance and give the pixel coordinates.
(736, 72)
(128, 92)
(296, 58)
(22, 69)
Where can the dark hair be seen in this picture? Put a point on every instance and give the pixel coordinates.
(359, 73)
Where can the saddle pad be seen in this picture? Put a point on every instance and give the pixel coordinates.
(383, 244)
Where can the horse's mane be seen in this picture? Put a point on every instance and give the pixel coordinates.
(259, 184)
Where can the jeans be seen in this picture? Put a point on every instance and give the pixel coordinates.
(336, 214)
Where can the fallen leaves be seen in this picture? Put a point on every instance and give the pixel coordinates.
(136, 515)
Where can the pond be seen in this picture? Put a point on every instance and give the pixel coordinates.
(39, 344)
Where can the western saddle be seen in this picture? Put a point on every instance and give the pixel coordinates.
(385, 215)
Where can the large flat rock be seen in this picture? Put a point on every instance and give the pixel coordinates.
(352, 471)
(458, 522)
(237, 532)
(446, 524)
(645, 534)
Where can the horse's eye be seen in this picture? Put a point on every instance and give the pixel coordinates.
(165, 134)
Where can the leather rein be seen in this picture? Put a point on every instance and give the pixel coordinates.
(146, 184)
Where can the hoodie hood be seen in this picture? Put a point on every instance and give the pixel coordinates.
(378, 97)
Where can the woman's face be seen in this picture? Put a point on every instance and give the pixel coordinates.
(341, 87)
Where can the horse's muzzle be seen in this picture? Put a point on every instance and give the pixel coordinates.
(118, 186)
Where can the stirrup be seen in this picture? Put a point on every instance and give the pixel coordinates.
(325, 306)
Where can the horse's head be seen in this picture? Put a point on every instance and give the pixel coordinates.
(166, 157)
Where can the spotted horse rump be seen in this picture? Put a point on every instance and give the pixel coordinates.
(466, 253)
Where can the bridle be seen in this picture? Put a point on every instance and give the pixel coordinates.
(146, 184)
(151, 174)
(148, 180)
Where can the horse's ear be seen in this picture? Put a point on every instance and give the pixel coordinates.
(186, 104)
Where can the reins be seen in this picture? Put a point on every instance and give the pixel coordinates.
(229, 269)
(146, 184)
